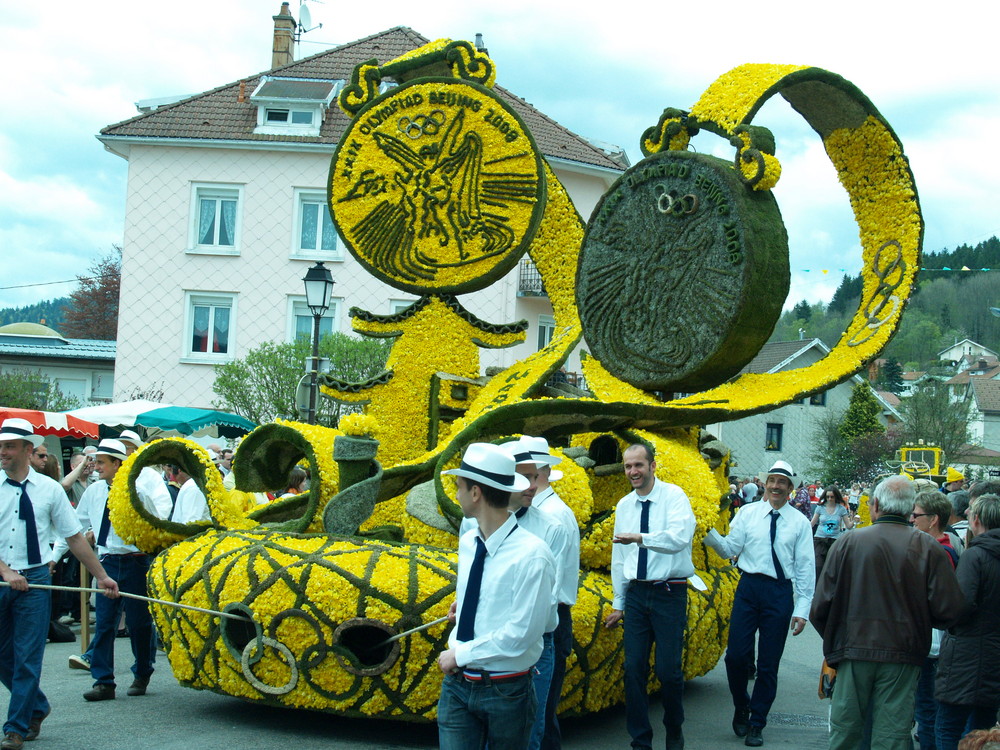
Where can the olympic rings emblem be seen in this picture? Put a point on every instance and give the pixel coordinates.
(422, 124)
(668, 202)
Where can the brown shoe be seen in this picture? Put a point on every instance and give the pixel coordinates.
(36, 725)
(100, 692)
(12, 741)
(138, 686)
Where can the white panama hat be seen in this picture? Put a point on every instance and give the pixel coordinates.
(128, 436)
(538, 447)
(492, 465)
(113, 448)
(15, 428)
(781, 469)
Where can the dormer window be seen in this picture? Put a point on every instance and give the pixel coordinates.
(292, 106)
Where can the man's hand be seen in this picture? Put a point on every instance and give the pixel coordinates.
(109, 587)
(628, 539)
(614, 618)
(17, 581)
(451, 612)
(798, 625)
(89, 536)
(52, 567)
(448, 662)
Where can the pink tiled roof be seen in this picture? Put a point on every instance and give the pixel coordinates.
(219, 115)
(987, 394)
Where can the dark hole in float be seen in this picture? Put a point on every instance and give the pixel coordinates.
(358, 645)
(236, 634)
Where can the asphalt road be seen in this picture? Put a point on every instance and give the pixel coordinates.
(170, 716)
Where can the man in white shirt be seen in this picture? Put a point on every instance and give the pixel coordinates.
(130, 566)
(773, 542)
(567, 576)
(502, 607)
(191, 505)
(33, 508)
(149, 485)
(650, 565)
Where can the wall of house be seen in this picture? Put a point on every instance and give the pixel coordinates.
(799, 421)
(82, 380)
(160, 272)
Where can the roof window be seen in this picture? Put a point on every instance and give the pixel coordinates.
(292, 106)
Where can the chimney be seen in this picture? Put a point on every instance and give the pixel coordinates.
(284, 37)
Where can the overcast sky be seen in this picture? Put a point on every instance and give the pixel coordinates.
(605, 73)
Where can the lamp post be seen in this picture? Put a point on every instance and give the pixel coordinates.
(319, 291)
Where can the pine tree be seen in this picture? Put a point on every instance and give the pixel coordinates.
(861, 417)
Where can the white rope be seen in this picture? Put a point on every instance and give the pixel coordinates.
(51, 587)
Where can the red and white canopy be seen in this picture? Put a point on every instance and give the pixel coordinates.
(53, 422)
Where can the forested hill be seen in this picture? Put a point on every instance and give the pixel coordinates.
(950, 304)
(49, 313)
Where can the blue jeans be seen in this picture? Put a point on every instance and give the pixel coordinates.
(24, 626)
(562, 645)
(653, 613)
(924, 705)
(955, 721)
(470, 714)
(762, 606)
(541, 682)
(130, 573)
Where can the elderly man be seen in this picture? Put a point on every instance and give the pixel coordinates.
(33, 509)
(650, 567)
(882, 590)
(773, 542)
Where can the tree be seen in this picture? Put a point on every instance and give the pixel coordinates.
(802, 311)
(931, 415)
(861, 417)
(890, 376)
(261, 386)
(26, 389)
(92, 312)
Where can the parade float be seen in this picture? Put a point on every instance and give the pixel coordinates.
(438, 189)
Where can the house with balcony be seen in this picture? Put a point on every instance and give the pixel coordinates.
(226, 210)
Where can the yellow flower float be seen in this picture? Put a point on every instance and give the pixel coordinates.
(316, 587)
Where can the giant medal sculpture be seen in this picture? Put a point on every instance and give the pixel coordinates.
(438, 189)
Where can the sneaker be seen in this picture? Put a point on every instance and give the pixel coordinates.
(12, 741)
(79, 662)
(100, 692)
(138, 686)
(36, 725)
(66, 620)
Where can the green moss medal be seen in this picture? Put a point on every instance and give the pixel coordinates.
(683, 273)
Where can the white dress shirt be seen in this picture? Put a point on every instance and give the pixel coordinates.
(153, 493)
(671, 524)
(53, 517)
(90, 514)
(568, 571)
(191, 504)
(554, 536)
(750, 539)
(515, 600)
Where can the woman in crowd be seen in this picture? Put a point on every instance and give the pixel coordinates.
(830, 519)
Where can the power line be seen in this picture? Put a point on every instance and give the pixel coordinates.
(49, 283)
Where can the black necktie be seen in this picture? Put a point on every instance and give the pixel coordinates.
(519, 513)
(102, 535)
(467, 620)
(640, 568)
(778, 572)
(27, 514)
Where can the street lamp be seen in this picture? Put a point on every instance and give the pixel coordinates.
(319, 291)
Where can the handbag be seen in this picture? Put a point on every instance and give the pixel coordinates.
(827, 679)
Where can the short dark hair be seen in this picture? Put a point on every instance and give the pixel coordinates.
(646, 448)
(494, 497)
(984, 487)
(959, 502)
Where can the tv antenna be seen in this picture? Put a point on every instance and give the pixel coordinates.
(305, 21)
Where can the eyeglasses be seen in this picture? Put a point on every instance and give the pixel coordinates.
(831, 497)
(920, 515)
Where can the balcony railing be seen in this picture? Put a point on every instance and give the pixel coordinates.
(529, 282)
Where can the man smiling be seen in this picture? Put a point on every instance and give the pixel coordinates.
(774, 544)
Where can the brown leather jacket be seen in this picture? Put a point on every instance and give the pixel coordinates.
(882, 590)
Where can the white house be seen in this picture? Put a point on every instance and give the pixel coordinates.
(965, 352)
(226, 210)
(984, 413)
(82, 368)
(789, 432)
